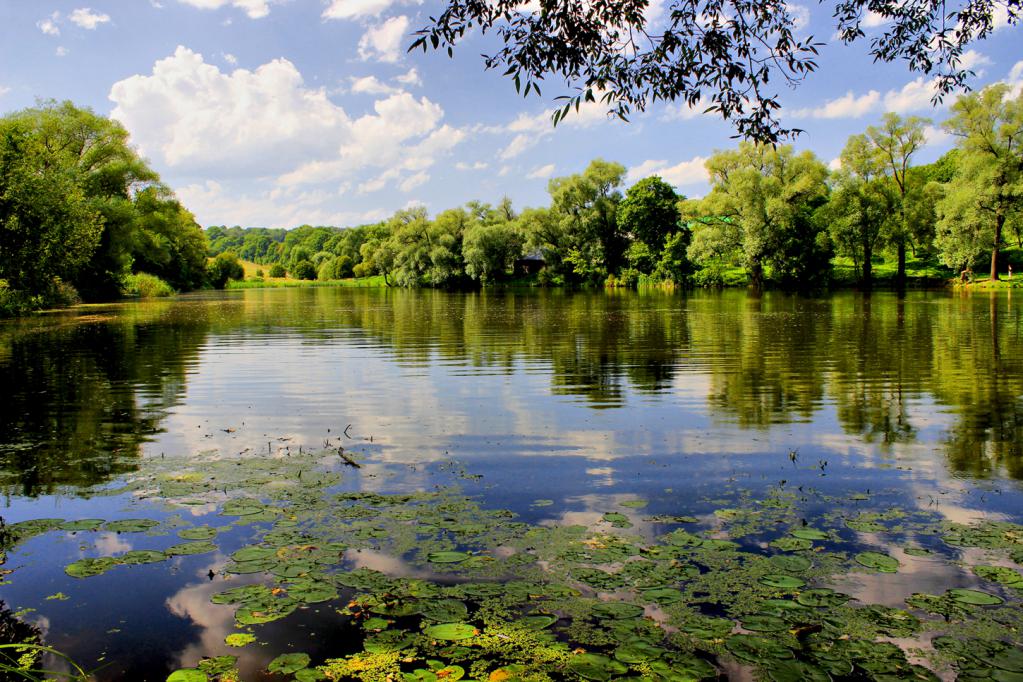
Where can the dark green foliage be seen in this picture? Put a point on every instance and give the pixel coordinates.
(303, 269)
(277, 270)
(649, 212)
(223, 268)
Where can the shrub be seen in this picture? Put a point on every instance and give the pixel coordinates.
(304, 269)
(277, 270)
(222, 268)
(259, 273)
(144, 285)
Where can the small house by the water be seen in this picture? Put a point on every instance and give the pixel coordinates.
(530, 263)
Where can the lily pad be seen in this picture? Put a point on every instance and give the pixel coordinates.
(451, 631)
(878, 561)
(130, 525)
(444, 610)
(82, 524)
(141, 556)
(86, 568)
(239, 639)
(790, 544)
(288, 663)
(449, 557)
(663, 596)
(809, 534)
(638, 651)
(757, 649)
(190, 548)
(973, 597)
(188, 675)
(596, 667)
(784, 582)
(1000, 574)
(197, 533)
(791, 563)
(763, 622)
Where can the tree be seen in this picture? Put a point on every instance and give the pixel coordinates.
(48, 228)
(586, 204)
(759, 212)
(987, 193)
(896, 141)
(649, 212)
(861, 207)
(718, 53)
(168, 242)
(490, 250)
(223, 268)
(277, 270)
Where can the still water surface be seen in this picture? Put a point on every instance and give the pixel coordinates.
(578, 398)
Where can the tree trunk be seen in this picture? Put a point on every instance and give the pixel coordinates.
(756, 275)
(900, 274)
(999, 223)
(868, 266)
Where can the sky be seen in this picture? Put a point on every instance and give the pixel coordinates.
(279, 113)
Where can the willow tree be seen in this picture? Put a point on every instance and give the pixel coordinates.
(987, 192)
(760, 210)
(861, 206)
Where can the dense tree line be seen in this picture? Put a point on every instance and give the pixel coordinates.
(80, 211)
(774, 215)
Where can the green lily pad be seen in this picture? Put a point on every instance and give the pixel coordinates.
(638, 652)
(790, 544)
(444, 610)
(663, 596)
(309, 675)
(130, 525)
(633, 504)
(188, 675)
(791, 563)
(451, 631)
(288, 663)
(878, 561)
(596, 667)
(784, 582)
(809, 534)
(141, 556)
(757, 649)
(239, 639)
(312, 592)
(538, 621)
(1000, 574)
(82, 524)
(387, 641)
(190, 548)
(796, 671)
(197, 533)
(254, 554)
(763, 622)
(973, 597)
(450, 557)
(85, 568)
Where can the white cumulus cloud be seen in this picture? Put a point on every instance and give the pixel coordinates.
(254, 9)
(371, 85)
(913, 96)
(692, 172)
(383, 43)
(86, 18)
(49, 25)
(361, 9)
(848, 105)
(541, 172)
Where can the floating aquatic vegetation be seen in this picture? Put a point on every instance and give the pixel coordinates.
(498, 599)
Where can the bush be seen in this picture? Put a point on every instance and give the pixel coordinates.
(277, 270)
(259, 273)
(304, 269)
(222, 268)
(144, 285)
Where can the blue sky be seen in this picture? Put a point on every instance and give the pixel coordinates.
(284, 112)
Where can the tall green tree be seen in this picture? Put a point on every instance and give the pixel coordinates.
(897, 140)
(586, 204)
(987, 193)
(760, 212)
(861, 207)
(649, 212)
(48, 227)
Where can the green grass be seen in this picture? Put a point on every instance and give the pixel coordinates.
(919, 271)
(144, 285)
(376, 281)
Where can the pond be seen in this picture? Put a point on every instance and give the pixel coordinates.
(531, 484)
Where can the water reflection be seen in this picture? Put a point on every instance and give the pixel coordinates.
(508, 373)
